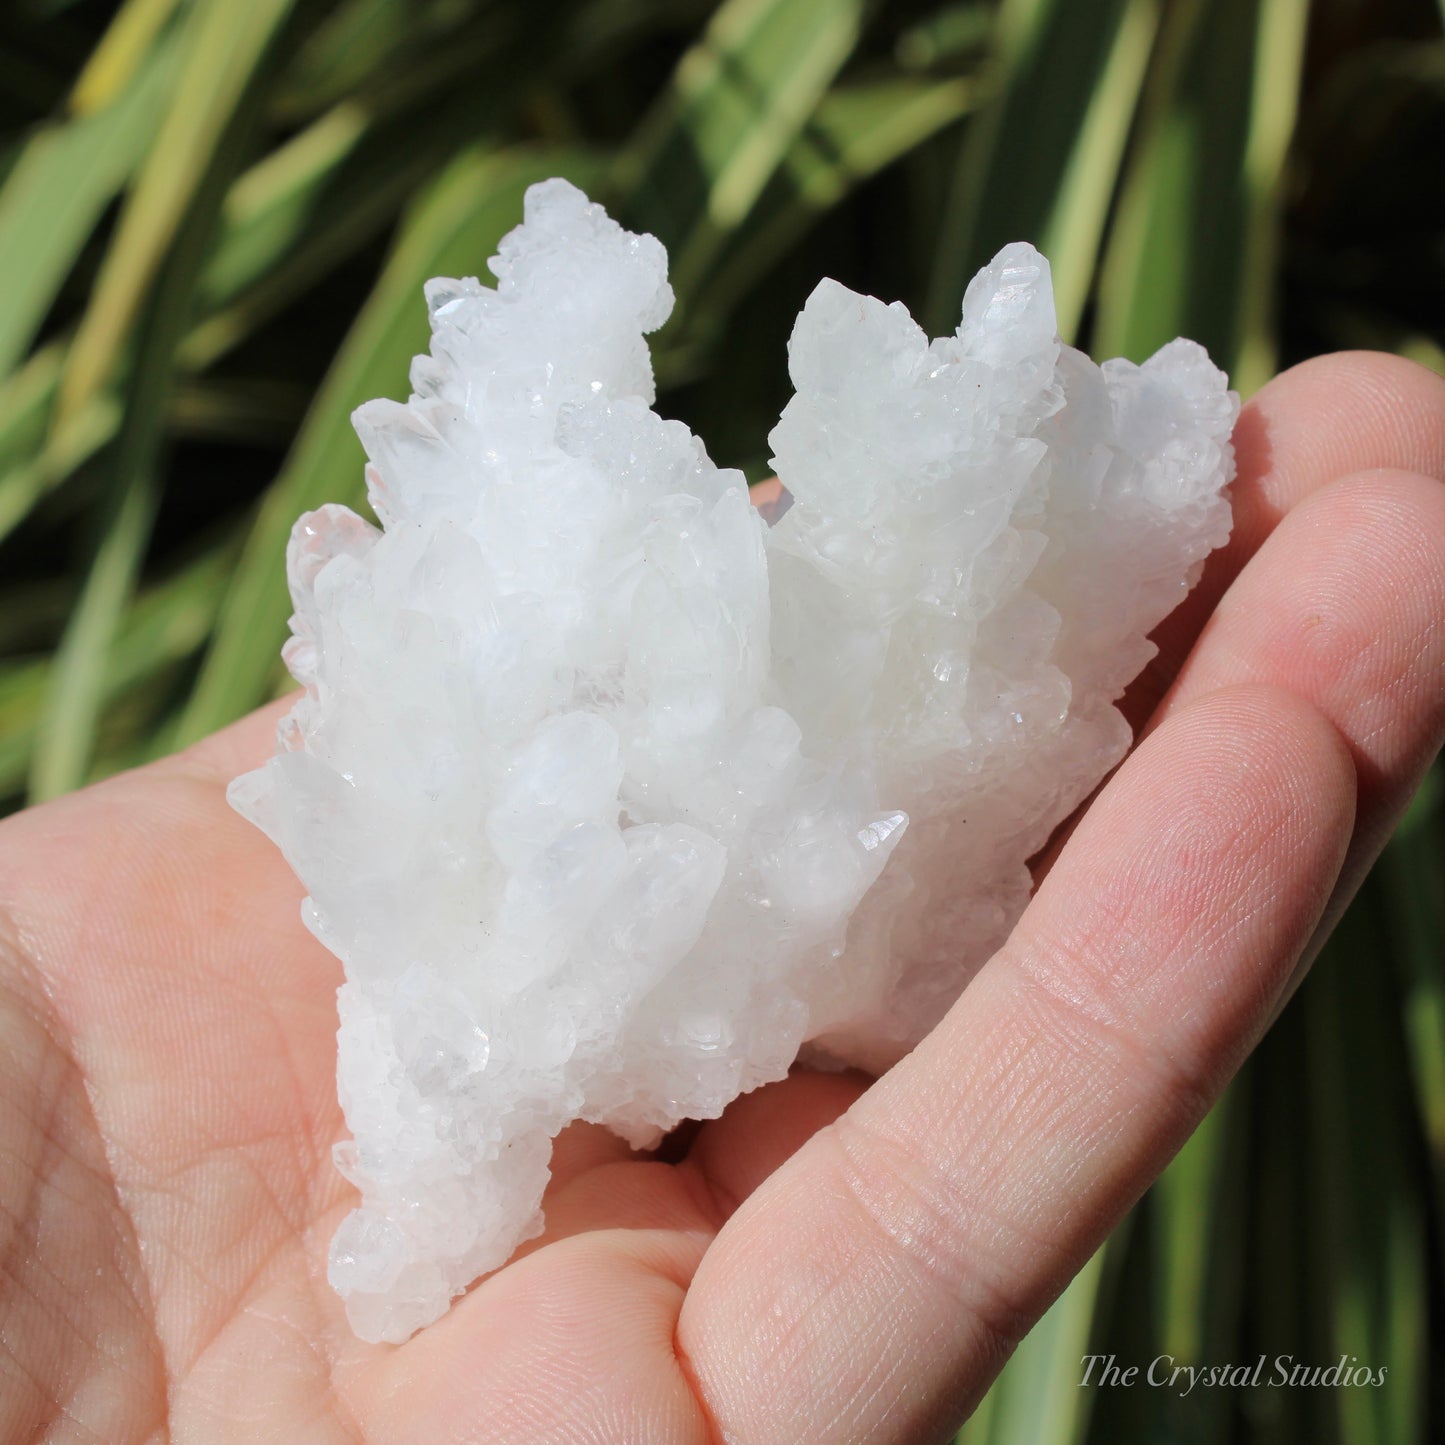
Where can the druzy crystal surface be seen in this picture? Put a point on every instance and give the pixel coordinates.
(611, 799)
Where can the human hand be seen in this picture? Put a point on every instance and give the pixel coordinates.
(828, 1261)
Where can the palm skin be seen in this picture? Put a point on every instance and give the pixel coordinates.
(829, 1261)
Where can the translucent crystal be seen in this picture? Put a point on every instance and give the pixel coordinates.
(612, 800)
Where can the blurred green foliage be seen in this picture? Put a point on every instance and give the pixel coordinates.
(215, 219)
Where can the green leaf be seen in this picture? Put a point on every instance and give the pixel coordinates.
(1278, 69)
(34, 458)
(1050, 118)
(454, 226)
(28, 481)
(65, 177)
(1193, 251)
(1074, 229)
(1367, 1193)
(25, 398)
(354, 43)
(1409, 874)
(737, 101)
(1037, 1396)
(1198, 1216)
(282, 241)
(858, 130)
(945, 35)
(22, 697)
(166, 624)
(224, 43)
(1289, 1270)
(66, 745)
(123, 51)
(326, 193)
(1183, 1205)
(269, 208)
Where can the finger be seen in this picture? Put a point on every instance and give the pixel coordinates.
(571, 1346)
(889, 1268)
(1320, 420)
(599, 1183)
(1344, 605)
(760, 1131)
(582, 1147)
(238, 747)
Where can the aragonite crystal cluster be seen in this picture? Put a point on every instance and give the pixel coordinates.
(611, 799)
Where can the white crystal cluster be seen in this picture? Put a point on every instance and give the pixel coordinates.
(594, 778)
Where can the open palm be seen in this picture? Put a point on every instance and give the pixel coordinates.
(829, 1261)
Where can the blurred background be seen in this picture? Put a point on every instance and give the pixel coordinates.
(215, 219)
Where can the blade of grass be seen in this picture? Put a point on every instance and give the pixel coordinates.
(356, 149)
(857, 131)
(1017, 153)
(1409, 873)
(359, 39)
(1072, 234)
(268, 208)
(1198, 1210)
(945, 35)
(355, 221)
(64, 178)
(1177, 260)
(600, 32)
(979, 1426)
(255, 276)
(1018, 30)
(225, 42)
(26, 484)
(1368, 1197)
(122, 52)
(1120, 1327)
(397, 53)
(239, 410)
(1144, 278)
(736, 103)
(25, 397)
(1037, 1396)
(167, 623)
(66, 745)
(1289, 1296)
(22, 697)
(1278, 69)
(1354, 328)
(1183, 1203)
(454, 226)
(1423, 351)
(270, 250)
(281, 239)
(341, 181)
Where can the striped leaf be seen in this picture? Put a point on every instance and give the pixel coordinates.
(738, 100)
(224, 45)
